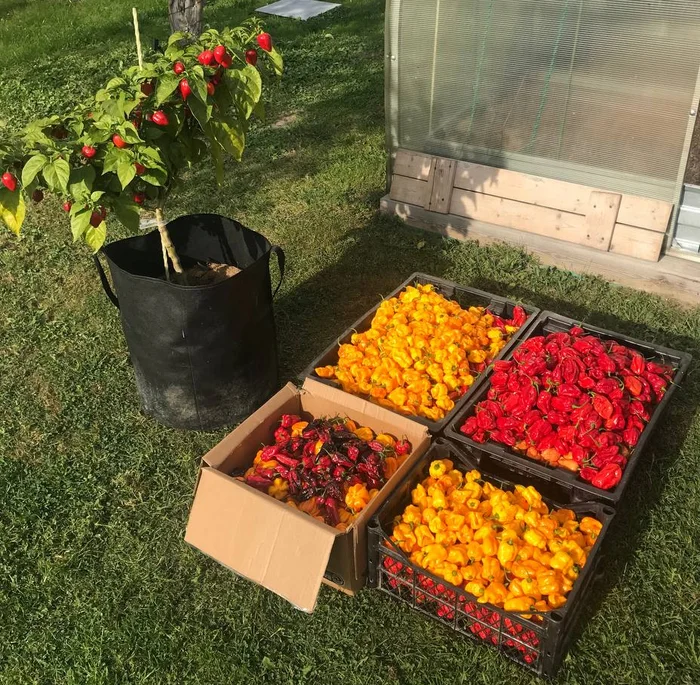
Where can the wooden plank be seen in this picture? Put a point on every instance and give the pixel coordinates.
(521, 216)
(644, 212)
(409, 190)
(601, 217)
(431, 183)
(636, 242)
(670, 277)
(412, 164)
(443, 173)
(512, 185)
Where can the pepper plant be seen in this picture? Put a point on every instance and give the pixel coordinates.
(127, 148)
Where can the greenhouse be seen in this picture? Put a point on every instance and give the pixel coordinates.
(569, 119)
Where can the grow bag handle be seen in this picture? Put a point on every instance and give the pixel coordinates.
(277, 250)
(105, 283)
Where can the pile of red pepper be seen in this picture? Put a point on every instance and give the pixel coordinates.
(573, 401)
(318, 462)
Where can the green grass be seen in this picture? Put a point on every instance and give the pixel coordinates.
(96, 583)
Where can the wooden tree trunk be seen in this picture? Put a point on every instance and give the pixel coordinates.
(186, 15)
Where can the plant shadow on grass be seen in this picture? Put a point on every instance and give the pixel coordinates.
(321, 308)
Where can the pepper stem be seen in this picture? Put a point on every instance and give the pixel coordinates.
(167, 243)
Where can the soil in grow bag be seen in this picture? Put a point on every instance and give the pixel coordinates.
(424, 373)
(573, 403)
(204, 356)
(537, 640)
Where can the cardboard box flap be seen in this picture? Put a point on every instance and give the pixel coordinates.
(284, 550)
(402, 425)
(273, 407)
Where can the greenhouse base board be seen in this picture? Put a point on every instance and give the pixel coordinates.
(608, 221)
(669, 277)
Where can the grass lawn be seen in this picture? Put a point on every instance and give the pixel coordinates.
(96, 583)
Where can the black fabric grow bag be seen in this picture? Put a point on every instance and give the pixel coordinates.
(204, 356)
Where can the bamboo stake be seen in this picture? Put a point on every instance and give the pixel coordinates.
(168, 246)
(138, 37)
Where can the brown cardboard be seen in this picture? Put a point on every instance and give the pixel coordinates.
(267, 541)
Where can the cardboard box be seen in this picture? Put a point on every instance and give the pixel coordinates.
(269, 542)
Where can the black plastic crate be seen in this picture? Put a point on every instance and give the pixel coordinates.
(466, 297)
(577, 489)
(539, 643)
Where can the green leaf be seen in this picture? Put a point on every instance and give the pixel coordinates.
(151, 152)
(129, 133)
(246, 87)
(79, 222)
(96, 195)
(231, 138)
(111, 160)
(12, 209)
(62, 169)
(115, 83)
(80, 183)
(155, 176)
(95, 237)
(115, 107)
(33, 166)
(166, 87)
(276, 61)
(126, 172)
(51, 177)
(177, 37)
(199, 86)
(200, 111)
(128, 213)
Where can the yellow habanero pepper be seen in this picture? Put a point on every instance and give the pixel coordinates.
(419, 496)
(590, 527)
(549, 582)
(357, 498)
(404, 537)
(526, 569)
(475, 587)
(411, 514)
(454, 522)
(543, 557)
(445, 538)
(564, 515)
(458, 554)
(495, 593)
(515, 589)
(503, 512)
(535, 538)
(438, 499)
(575, 552)
(530, 588)
(423, 535)
(429, 514)
(488, 542)
(562, 561)
(436, 524)
(472, 571)
(465, 534)
(507, 550)
(278, 489)
(556, 600)
(440, 467)
(519, 604)
(475, 551)
(475, 520)
(492, 570)
(364, 433)
(451, 574)
(525, 552)
(385, 439)
(434, 555)
(298, 428)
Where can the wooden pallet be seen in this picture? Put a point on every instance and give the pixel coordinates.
(610, 222)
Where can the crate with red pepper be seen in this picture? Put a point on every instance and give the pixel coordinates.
(423, 347)
(573, 403)
(497, 560)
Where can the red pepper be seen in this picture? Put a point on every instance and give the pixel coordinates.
(284, 458)
(562, 446)
(615, 422)
(604, 456)
(546, 443)
(652, 367)
(499, 379)
(479, 436)
(470, 426)
(528, 397)
(569, 390)
(576, 331)
(586, 383)
(519, 316)
(569, 371)
(288, 420)
(503, 366)
(531, 417)
(608, 477)
(563, 404)
(544, 400)
(511, 403)
(597, 373)
(603, 406)
(558, 418)
(578, 454)
(588, 474)
(513, 383)
(485, 419)
(539, 429)
(630, 436)
(505, 423)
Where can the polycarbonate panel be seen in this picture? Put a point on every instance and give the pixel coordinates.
(590, 91)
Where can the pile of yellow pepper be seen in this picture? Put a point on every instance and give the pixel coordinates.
(505, 548)
(420, 353)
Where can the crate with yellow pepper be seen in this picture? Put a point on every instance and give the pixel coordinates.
(421, 350)
(492, 557)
